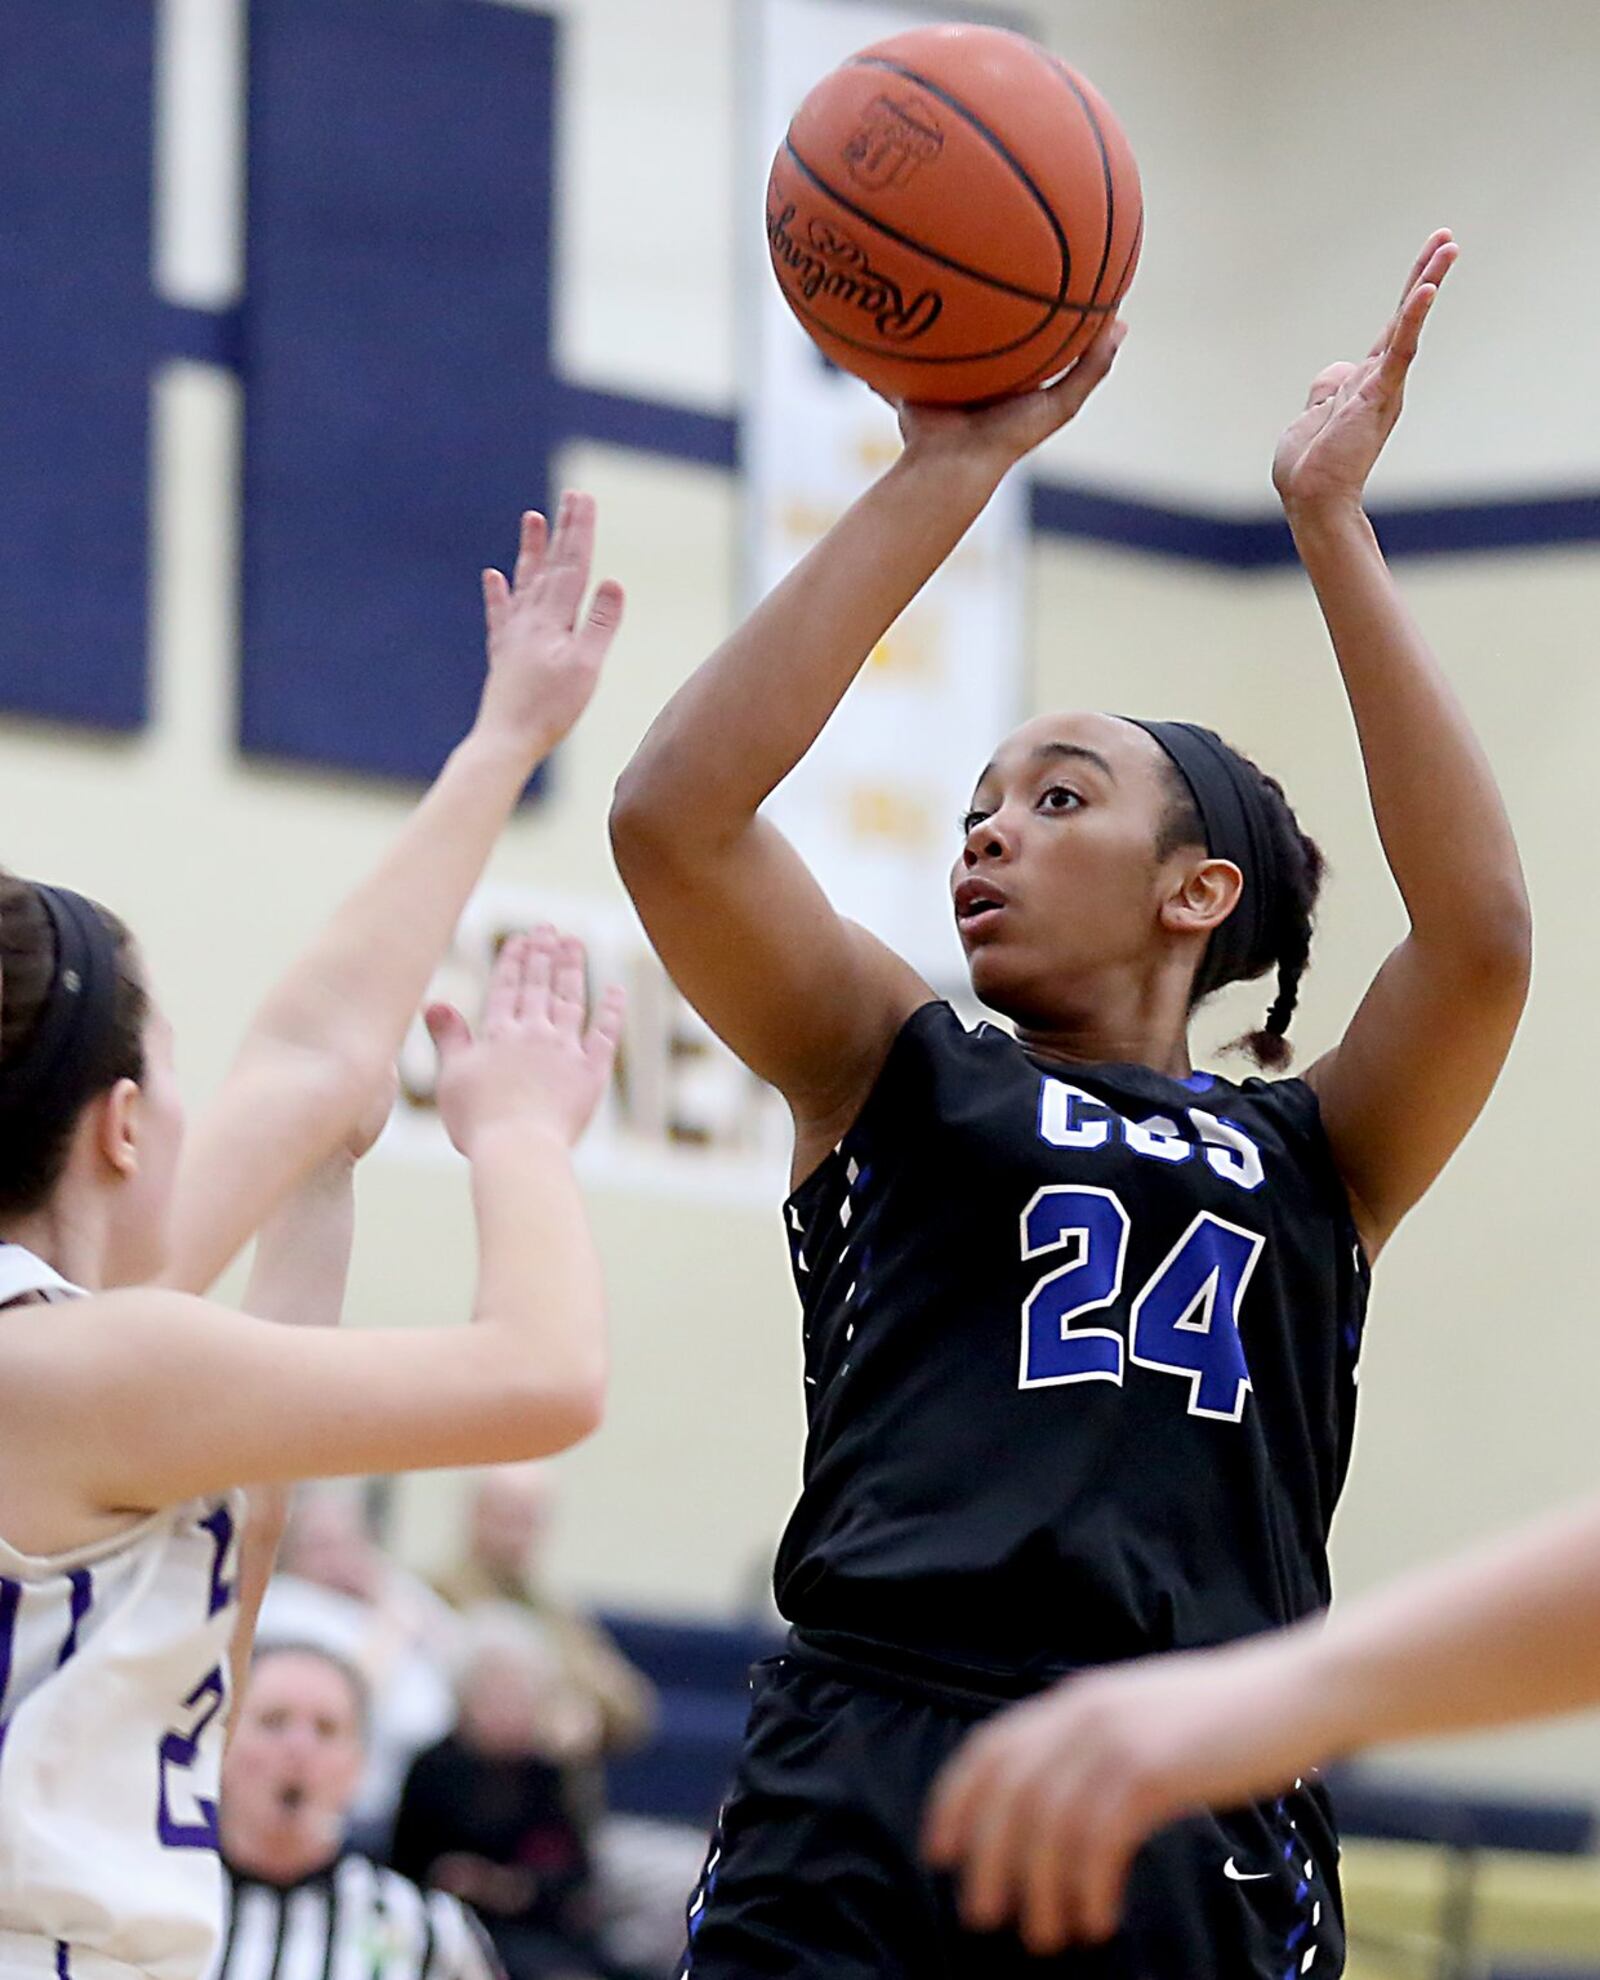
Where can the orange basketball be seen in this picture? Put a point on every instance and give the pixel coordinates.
(953, 214)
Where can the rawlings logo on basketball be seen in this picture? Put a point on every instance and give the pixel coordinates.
(831, 265)
(889, 146)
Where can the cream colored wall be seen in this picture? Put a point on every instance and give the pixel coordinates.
(1254, 123)
(1479, 1377)
(1293, 158)
(1479, 1389)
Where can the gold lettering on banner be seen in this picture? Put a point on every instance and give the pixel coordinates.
(682, 1087)
(808, 522)
(909, 651)
(891, 814)
(877, 451)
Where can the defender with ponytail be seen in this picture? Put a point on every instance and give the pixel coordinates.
(134, 1413)
(1080, 1320)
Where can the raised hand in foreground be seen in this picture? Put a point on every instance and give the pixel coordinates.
(1042, 1811)
(533, 1063)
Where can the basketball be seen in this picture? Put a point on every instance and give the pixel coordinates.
(953, 214)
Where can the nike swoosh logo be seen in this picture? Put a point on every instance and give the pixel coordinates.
(1237, 1876)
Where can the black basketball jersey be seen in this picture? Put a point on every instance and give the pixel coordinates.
(1080, 1360)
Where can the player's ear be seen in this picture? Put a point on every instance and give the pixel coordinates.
(1203, 899)
(116, 1128)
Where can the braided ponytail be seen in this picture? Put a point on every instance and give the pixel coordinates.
(1293, 885)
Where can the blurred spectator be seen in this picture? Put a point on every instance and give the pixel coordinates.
(488, 1814)
(644, 1868)
(340, 1590)
(300, 1906)
(508, 1526)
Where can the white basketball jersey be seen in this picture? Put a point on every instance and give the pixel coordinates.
(113, 1701)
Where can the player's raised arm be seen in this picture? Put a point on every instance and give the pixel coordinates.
(1043, 1810)
(143, 1398)
(808, 1000)
(322, 1039)
(298, 1278)
(1425, 1047)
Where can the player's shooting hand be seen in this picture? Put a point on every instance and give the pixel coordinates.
(1326, 455)
(533, 1060)
(999, 435)
(1041, 1811)
(545, 646)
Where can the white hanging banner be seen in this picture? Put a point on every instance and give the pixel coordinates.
(875, 807)
(681, 1116)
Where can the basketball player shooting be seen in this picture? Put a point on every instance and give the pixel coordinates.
(1081, 1323)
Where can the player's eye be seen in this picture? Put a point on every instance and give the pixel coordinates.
(971, 819)
(1059, 798)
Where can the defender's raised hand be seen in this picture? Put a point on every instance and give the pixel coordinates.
(1326, 455)
(545, 650)
(532, 1061)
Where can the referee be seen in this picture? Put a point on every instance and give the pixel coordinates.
(302, 1907)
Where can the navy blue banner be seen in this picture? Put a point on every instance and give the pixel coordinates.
(395, 353)
(76, 340)
(395, 346)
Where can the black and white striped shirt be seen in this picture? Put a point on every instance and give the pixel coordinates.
(352, 1920)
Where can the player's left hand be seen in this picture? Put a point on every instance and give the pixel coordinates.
(1041, 1811)
(545, 647)
(1326, 455)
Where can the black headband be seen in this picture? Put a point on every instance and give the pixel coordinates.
(1233, 812)
(67, 1056)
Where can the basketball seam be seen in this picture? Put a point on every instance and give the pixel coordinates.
(1087, 108)
(1121, 282)
(1041, 372)
(1049, 304)
(996, 144)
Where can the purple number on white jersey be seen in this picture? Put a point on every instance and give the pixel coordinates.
(180, 1750)
(219, 1524)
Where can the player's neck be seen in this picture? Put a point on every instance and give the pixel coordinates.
(1073, 1048)
(1116, 1023)
(67, 1235)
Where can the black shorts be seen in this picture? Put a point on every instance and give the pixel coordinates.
(814, 1872)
